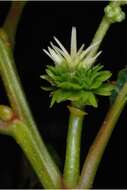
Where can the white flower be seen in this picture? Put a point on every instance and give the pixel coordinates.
(60, 55)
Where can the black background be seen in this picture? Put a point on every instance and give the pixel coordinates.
(41, 21)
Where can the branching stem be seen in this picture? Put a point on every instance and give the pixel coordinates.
(97, 149)
(20, 106)
(104, 26)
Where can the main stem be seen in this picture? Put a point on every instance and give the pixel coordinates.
(12, 84)
(72, 160)
(9, 72)
(42, 166)
(97, 149)
(11, 125)
(18, 101)
(19, 104)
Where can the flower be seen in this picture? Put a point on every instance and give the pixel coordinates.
(73, 77)
(60, 55)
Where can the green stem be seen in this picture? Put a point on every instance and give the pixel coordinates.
(12, 83)
(4, 128)
(17, 98)
(72, 160)
(12, 19)
(97, 149)
(40, 163)
(119, 3)
(103, 27)
(99, 35)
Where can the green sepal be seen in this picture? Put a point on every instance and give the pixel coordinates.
(69, 85)
(105, 90)
(84, 98)
(96, 84)
(50, 73)
(99, 78)
(61, 95)
(46, 88)
(92, 100)
(79, 85)
(47, 78)
(104, 75)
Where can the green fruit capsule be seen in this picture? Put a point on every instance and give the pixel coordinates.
(6, 113)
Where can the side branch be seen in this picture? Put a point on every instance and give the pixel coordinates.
(97, 149)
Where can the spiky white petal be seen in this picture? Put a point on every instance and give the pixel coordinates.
(73, 49)
(48, 54)
(77, 57)
(61, 53)
(80, 49)
(58, 59)
(62, 47)
(89, 61)
(82, 57)
(85, 52)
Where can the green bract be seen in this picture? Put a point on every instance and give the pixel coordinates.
(79, 86)
(74, 77)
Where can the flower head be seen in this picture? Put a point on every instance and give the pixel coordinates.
(73, 77)
(76, 57)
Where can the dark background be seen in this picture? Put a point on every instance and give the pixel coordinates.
(41, 21)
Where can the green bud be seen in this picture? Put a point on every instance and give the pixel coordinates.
(114, 13)
(6, 113)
